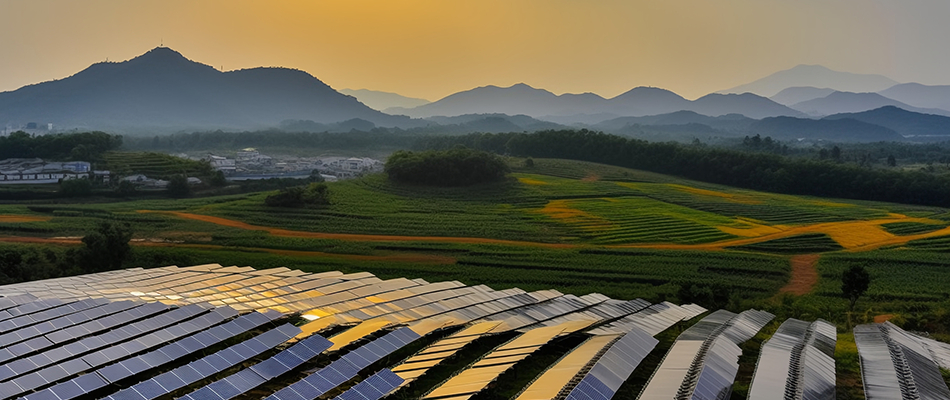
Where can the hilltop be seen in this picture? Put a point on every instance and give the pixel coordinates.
(162, 90)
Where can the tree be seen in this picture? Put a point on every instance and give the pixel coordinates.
(891, 161)
(854, 282)
(529, 162)
(126, 188)
(314, 194)
(178, 186)
(106, 248)
(217, 179)
(836, 153)
(75, 187)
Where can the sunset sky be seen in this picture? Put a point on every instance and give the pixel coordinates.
(432, 48)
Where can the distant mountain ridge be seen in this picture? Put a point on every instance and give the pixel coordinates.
(922, 96)
(847, 102)
(814, 76)
(381, 101)
(162, 90)
(640, 101)
(907, 123)
(798, 94)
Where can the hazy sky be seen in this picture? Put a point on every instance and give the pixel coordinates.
(432, 48)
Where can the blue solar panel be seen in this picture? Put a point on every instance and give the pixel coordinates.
(204, 393)
(256, 345)
(345, 367)
(90, 382)
(230, 356)
(288, 359)
(357, 360)
(127, 394)
(187, 374)
(224, 389)
(53, 373)
(150, 389)
(169, 381)
(174, 351)
(245, 380)
(374, 387)
(332, 375)
(270, 368)
(68, 390)
(290, 394)
(319, 382)
(46, 394)
(207, 367)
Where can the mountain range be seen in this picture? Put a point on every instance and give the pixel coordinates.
(161, 90)
(814, 76)
(848, 102)
(640, 101)
(381, 101)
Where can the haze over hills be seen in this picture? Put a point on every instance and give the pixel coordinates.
(847, 102)
(918, 95)
(641, 101)
(162, 90)
(814, 76)
(907, 123)
(798, 94)
(380, 101)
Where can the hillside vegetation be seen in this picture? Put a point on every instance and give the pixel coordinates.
(459, 166)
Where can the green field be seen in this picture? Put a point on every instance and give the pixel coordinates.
(573, 226)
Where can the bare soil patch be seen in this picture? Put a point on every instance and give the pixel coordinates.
(804, 275)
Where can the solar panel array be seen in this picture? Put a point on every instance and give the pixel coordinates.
(614, 367)
(653, 320)
(273, 367)
(797, 363)
(142, 334)
(345, 368)
(205, 367)
(479, 374)
(897, 365)
(704, 360)
(373, 388)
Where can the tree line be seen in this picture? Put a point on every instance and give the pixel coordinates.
(84, 146)
(758, 171)
(458, 166)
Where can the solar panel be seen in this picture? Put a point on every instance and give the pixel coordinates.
(373, 388)
(797, 359)
(896, 364)
(257, 374)
(343, 369)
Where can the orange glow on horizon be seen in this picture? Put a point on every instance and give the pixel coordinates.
(432, 48)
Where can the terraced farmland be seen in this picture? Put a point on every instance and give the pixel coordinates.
(153, 165)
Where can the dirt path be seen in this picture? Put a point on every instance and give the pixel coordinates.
(804, 275)
(405, 257)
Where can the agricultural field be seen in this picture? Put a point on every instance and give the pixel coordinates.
(578, 227)
(153, 165)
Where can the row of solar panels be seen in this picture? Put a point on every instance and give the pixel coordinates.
(30, 328)
(555, 308)
(898, 365)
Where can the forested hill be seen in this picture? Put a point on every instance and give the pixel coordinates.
(162, 91)
(758, 171)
